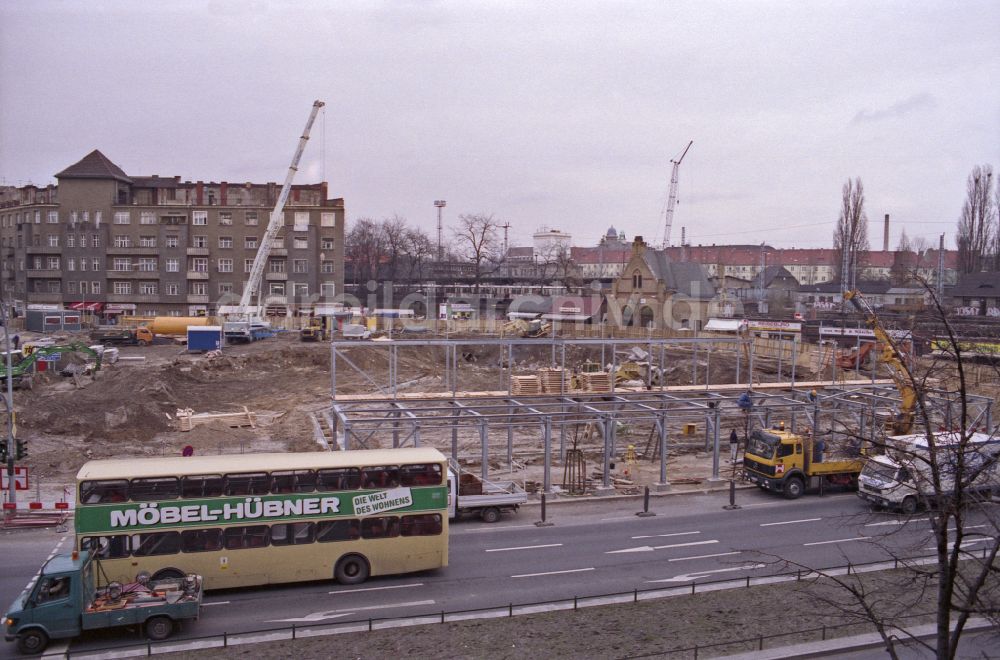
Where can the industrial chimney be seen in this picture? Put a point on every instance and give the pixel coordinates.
(885, 236)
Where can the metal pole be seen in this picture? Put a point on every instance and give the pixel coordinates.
(484, 435)
(715, 445)
(11, 445)
(781, 350)
(547, 432)
(606, 480)
(795, 356)
(663, 449)
(857, 357)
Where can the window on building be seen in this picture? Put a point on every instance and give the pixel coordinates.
(95, 241)
(199, 288)
(225, 218)
(173, 265)
(121, 264)
(300, 289)
(147, 241)
(276, 266)
(95, 264)
(53, 240)
(53, 217)
(326, 243)
(83, 240)
(122, 241)
(121, 217)
(327, 219)
(148, 288)
(36, 263)
(98, 217)
(52, 263)
(38, 217)
(301, 221)
(300, 242)
(199, 217)
(251, 218)
(278, 242)
(225, 241)
(71, 287)
(122, 288)
(199, 264)
(173, 289)
(147, 218)
(225, 265)
(84, 262)
(70, 263)
(250, 242)
(54, 286)
(247, 265)
(225, 287)
(147, 264)
(70, 240)
(327, 267)
(636, 279)
(199, 241)
(276, 288)
(300, 266)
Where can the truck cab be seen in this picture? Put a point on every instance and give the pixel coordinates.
(789, 463)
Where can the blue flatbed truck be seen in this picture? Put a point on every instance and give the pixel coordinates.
(64, 600)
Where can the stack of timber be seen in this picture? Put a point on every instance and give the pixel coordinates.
(187, 418)
(553, 380)
(525, 385)
(596, 382)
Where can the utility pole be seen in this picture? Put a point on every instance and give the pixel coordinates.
(11, 445)
(506, 249)
(440, 204)
(940, 273)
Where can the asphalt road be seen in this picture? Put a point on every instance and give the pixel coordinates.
(593, 548)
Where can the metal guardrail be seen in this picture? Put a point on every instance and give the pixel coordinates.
(225, 639)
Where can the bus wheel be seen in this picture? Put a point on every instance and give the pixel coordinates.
(159, 627)
(490, 514)
(32, 641)
(352, 569)
(909, 505)
(168, 574)
(793, 488)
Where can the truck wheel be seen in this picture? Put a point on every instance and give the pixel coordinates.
(794, 488)
(32, 641)
(909, 505)
(159, 628)
(490, 514)
(352, 569)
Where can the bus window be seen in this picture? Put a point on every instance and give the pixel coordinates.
(381, 477)
(300, 481)
(380, 528)
(163, 488)
(106, 547)
(337, 530)
(340, 479)
(420, 475)
(156, 543)
(422, 525)
(238, 538)
(201, 540)
(255, 483)
(292, 533)
(102, 492)
(208, 485)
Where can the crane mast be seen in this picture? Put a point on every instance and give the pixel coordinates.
(276, 221)
(672, 197)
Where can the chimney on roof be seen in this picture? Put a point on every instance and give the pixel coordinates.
(885, 235)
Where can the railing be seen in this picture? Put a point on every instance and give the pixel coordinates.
(757, 642)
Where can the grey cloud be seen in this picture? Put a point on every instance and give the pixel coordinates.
(898, 109)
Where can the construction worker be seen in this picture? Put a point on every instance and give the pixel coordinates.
(734, 445)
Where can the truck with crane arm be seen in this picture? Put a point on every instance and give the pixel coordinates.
(244, 327)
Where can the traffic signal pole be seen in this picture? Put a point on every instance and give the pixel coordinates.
(11, 447)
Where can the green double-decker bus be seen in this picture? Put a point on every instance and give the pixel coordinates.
(253, 519)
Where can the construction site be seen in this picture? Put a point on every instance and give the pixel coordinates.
(565, 416)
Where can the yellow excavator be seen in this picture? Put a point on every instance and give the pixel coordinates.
(893, 358)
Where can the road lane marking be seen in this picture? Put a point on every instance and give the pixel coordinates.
(656, 536)
(887, 522)
(720, 554)
(965, 542)
(526, 547)
(856, 538)
(572, 570)
(391, 586)
(218, 602)
(687, 577)
(650, 548)
(57, 649)
(334, 614)
(495, 528)
(618, 518)
(790, 522)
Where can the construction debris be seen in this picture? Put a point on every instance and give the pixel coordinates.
(187, 418)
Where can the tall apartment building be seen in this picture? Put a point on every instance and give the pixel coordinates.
(150, 245)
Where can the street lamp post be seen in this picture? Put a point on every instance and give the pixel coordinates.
(440, 204)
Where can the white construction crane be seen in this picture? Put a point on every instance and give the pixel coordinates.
(672, 198)
(275, 223)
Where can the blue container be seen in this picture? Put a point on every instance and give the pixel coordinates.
(203, 338)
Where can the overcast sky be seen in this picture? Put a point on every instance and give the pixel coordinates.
(557, 114)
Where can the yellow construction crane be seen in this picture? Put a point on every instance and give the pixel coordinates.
(889, 355)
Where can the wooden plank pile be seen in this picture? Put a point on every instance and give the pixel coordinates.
(525, 385)
(187, 418)
(553, 380)
(599, 381)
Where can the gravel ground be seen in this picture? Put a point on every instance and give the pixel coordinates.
(659, 628)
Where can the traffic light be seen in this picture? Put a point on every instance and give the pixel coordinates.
(3, 451)
(22, 450)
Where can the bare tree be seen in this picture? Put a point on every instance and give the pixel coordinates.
(850, 239)
(977, 236)
(419, 252)
(365, 249)
(477, 239)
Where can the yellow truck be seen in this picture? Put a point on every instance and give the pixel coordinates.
(789, 463)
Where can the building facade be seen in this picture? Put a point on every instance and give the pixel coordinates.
(109, 242)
